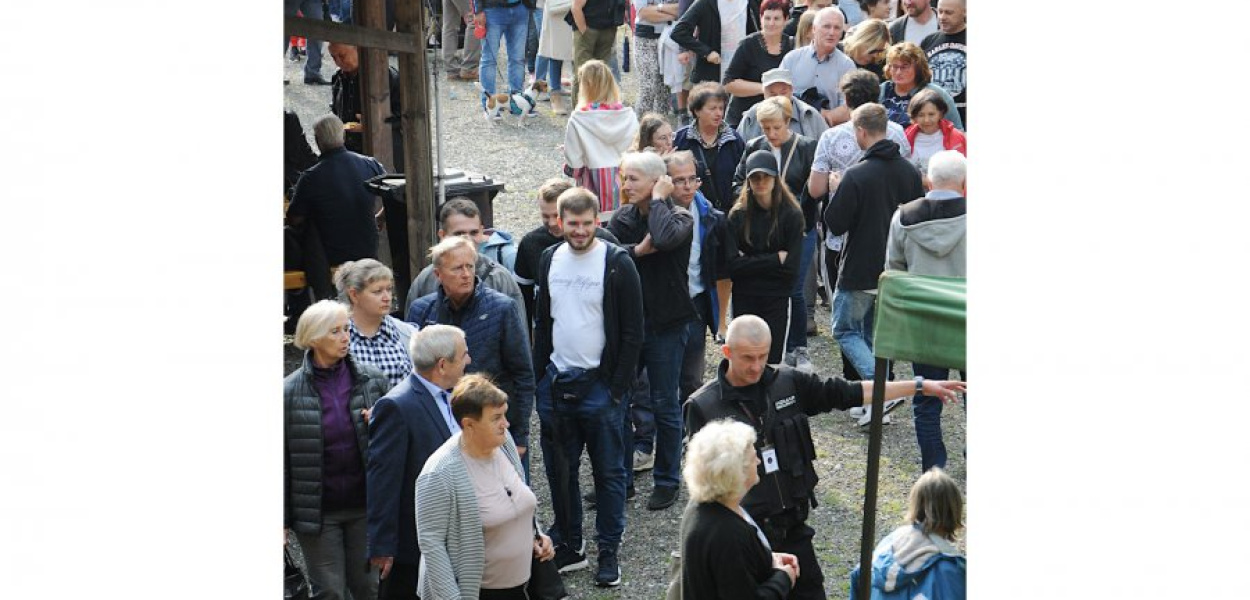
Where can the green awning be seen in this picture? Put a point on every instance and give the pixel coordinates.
(922, 319)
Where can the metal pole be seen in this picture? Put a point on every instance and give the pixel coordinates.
(438, 126)
(867, 540)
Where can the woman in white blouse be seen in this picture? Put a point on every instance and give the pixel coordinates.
(475, 515)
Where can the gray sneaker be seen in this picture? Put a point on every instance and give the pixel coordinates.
(643, 461)
(802, 361)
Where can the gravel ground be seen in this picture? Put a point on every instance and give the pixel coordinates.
(523, 159)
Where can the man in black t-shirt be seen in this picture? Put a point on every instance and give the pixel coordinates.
(947, 51)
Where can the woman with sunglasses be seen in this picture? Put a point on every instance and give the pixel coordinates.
(867, 44)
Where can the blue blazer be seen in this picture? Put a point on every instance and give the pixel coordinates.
(405, 428)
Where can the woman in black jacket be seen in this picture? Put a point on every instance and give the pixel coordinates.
(326, 415)
(797, 154)
(725, 555)
(757, 53)
(764, 249)
(705, 15)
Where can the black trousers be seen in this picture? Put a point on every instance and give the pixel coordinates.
(400, 584)
(516, 593)
(775, 310)
(798, 541)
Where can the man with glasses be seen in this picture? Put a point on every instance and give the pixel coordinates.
(460, 217)
(804, 120)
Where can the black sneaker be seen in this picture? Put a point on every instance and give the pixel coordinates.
(662, 497)
(609, 573)
(568, 559)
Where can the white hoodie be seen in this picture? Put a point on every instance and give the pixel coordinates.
(597, 138)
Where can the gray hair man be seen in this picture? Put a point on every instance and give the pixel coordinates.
(734, 395)
(817, 67)
(407, 425)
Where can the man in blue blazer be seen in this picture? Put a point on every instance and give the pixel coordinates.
(405, 428)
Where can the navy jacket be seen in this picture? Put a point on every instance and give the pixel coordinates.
(718, 177)
(498, 343)
(713, 233)
(332, 194)
(405, 428)
(622, 319)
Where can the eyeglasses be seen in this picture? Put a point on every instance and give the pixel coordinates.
(876, 52)
(692, 180)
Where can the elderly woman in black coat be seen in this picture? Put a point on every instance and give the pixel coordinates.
(326, 414)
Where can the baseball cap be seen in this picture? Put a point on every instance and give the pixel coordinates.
(762, 161)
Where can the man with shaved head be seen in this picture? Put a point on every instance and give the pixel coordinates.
(776, 400)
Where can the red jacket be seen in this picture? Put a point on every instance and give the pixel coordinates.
(952, 139)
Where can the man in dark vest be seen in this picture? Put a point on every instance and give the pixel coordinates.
(777, 400)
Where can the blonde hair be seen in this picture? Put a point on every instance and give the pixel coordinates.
(717, 462)
(936, 504)
(803, 32)
(867, 36)
(596, 84)
(317, 321)
(777, 108)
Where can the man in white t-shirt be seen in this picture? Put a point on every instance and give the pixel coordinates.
(920, 21)
(588, 333)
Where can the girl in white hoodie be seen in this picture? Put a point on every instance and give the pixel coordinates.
(599, 131)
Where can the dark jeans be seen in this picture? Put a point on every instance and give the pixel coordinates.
(642, 417)
(661, 355)
(927, 417)
(798, 299)
(694, 361)
(775, 310)
(592, 423)
(400, 584)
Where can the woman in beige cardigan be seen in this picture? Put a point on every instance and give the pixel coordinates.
(475, 515)
(555, 44)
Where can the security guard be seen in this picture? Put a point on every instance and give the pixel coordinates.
(777, 401)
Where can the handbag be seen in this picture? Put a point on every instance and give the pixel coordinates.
(556, 8)
(294, 583)
(545, 582)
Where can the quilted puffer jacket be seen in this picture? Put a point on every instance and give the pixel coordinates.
(302, 443)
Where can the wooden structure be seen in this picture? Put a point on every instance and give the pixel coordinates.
(374, 42)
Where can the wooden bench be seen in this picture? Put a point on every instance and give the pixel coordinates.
(295, 280)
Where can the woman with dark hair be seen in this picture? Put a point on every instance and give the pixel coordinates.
(757, 53)
(326, 405)
(930, 133)
(717, 148)
(764, 248)
(654, 132)
(920, 559)
(475, 514)
(867, 45)
(874, 9)
(377, 338)
(908, 72)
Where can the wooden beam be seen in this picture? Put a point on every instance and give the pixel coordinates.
(414, 88)
(364, 37)
(375, 92)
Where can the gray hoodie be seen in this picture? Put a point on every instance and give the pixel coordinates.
(927, 236)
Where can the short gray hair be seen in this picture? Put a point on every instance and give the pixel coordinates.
(317, 321)
(649, 163)
(826, 13)
(358, 275)
(679, 158)
(328, 131)
(948, 167)
(449, 244)
(432, 343)
(717, 462)
(748, 328)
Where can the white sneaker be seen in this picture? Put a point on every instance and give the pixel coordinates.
(866, 412)
(643, 461)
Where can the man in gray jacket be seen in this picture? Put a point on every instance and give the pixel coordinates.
(928, 237)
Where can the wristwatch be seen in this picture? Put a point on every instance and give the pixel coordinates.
(919, 385)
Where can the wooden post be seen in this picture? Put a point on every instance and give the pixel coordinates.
(867, 539)
(414, 77)
(375, 93)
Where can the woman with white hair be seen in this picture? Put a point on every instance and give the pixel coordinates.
(376, 338)
(725, 555)
(326, 439)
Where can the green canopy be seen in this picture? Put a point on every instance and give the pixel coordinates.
(921, 319)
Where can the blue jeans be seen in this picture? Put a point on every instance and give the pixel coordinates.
(592, 423)
(662, 356)
(547, 69)
(311, 10)
(927, 416)
(342, 10)
(510, 22)
(852, 328)
(798, 301)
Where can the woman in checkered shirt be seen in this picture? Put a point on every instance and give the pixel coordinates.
(377, 338)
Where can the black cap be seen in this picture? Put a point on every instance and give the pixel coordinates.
(762, 160)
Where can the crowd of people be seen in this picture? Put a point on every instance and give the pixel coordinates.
(806, 167)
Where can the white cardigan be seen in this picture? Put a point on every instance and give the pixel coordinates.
(449, 527)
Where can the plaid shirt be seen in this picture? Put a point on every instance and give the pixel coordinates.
(387, 350)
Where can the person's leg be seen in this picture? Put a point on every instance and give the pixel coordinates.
(496, 22)
(851, 308)
(362, 578)
(600, 420)
(561, 468)
(323, 554)
(471, 55)
(798, 325)
(452, 18)
(555, 72)
(583, 50)
(533, 26)
(811, 582)
(775, 310)
(927, 416)
(518, 19)
(662, 352)
(401, 584)
(312, 68)
(650, 82)
(642, 415)
(694, 359)
(541, 64)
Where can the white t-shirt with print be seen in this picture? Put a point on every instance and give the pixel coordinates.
(575, 283)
